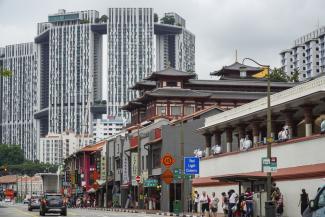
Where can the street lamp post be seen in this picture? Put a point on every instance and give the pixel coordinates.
(268, 126)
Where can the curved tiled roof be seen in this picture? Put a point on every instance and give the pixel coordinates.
(236, 67)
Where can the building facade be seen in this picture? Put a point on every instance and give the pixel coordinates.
(54, 148)
(137, 46)
(19, 98)
(106, 126)
(300, 110)
(307, 56)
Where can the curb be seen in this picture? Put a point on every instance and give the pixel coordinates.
(140, 211)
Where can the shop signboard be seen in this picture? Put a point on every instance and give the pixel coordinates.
(149, 183)
(134, 167)
(125, 170)
(103, 168)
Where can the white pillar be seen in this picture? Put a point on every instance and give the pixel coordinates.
(309, 129)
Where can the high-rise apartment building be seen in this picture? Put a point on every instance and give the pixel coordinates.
(137, 46)
(175, 45)
(18, 97)
(130, 36)
(56, 85)
(307, 56)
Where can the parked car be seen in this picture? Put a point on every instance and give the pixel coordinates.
(316, 207)
(34, 203)
(26, 201)
(8, 200)
(53, 203)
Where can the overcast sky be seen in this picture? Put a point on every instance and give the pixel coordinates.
(258, 29)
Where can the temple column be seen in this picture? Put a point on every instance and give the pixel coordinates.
(229, 138)
(241, 132)
(289, 121)
(208, 137)
(256, 132)
(308, 114)
(217, 137)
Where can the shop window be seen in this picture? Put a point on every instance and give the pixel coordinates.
(156, 158)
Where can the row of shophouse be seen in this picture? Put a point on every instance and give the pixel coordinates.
(14, 186)
(175, 108)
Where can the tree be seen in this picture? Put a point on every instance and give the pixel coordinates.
(168, 20)
(31, 168)
(155, 17)
(278, 75)
(11, 154)
(103, 18)
(295, 76)
(5, 72)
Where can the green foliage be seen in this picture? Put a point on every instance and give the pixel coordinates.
(84, 21)
(13, 157)
(30, 168)
(11, 154)
(168, 20)
(103, 18)
(278, 75)
(5, 72)
(155, 17)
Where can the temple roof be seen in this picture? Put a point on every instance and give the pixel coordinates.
(143, 84)
(177, 92)
(240, 82)
(170, 72)
(235, 67)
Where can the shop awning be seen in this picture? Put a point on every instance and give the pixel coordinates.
(289, 173)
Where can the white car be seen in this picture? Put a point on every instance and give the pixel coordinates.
(7, 200)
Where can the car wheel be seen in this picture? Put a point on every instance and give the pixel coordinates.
(30, 209)
(64, 212)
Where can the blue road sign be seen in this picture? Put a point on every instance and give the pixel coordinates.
(191, 165)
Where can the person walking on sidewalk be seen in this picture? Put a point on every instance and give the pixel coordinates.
(204, 201)
(224, 203)
(304, 200)
(232, 207)
(196, 199)
(249, 202)
(214, 205)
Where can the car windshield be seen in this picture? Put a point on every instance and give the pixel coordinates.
(53, 197)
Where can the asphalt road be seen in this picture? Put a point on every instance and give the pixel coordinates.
(19, 210)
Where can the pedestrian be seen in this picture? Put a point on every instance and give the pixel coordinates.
(214, 204)
(94, 203)
(277, 197)
(196, 200)
(304, 200)
(233, 198)
(249, 202)
(224, 203)
(204, 201)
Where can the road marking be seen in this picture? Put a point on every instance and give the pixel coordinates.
(25, 213)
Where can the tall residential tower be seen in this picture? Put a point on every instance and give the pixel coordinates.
(307, 56)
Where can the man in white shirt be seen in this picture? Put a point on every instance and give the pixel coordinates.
(233, 197)
(214, 204)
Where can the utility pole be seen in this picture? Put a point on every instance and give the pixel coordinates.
(107, 170)
(139, 168)
(182, 162)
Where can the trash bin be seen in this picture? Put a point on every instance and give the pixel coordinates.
(177, 206)
(270, 209)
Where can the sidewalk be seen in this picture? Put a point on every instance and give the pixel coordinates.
(153, 212)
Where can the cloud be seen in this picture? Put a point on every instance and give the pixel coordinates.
(256, 28)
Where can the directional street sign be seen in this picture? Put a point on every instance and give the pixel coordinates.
(167, 160)
(177, 173)
(269, 165)
(191, 165)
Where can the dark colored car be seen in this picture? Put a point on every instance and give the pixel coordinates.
(33, 203)
(53, 203)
